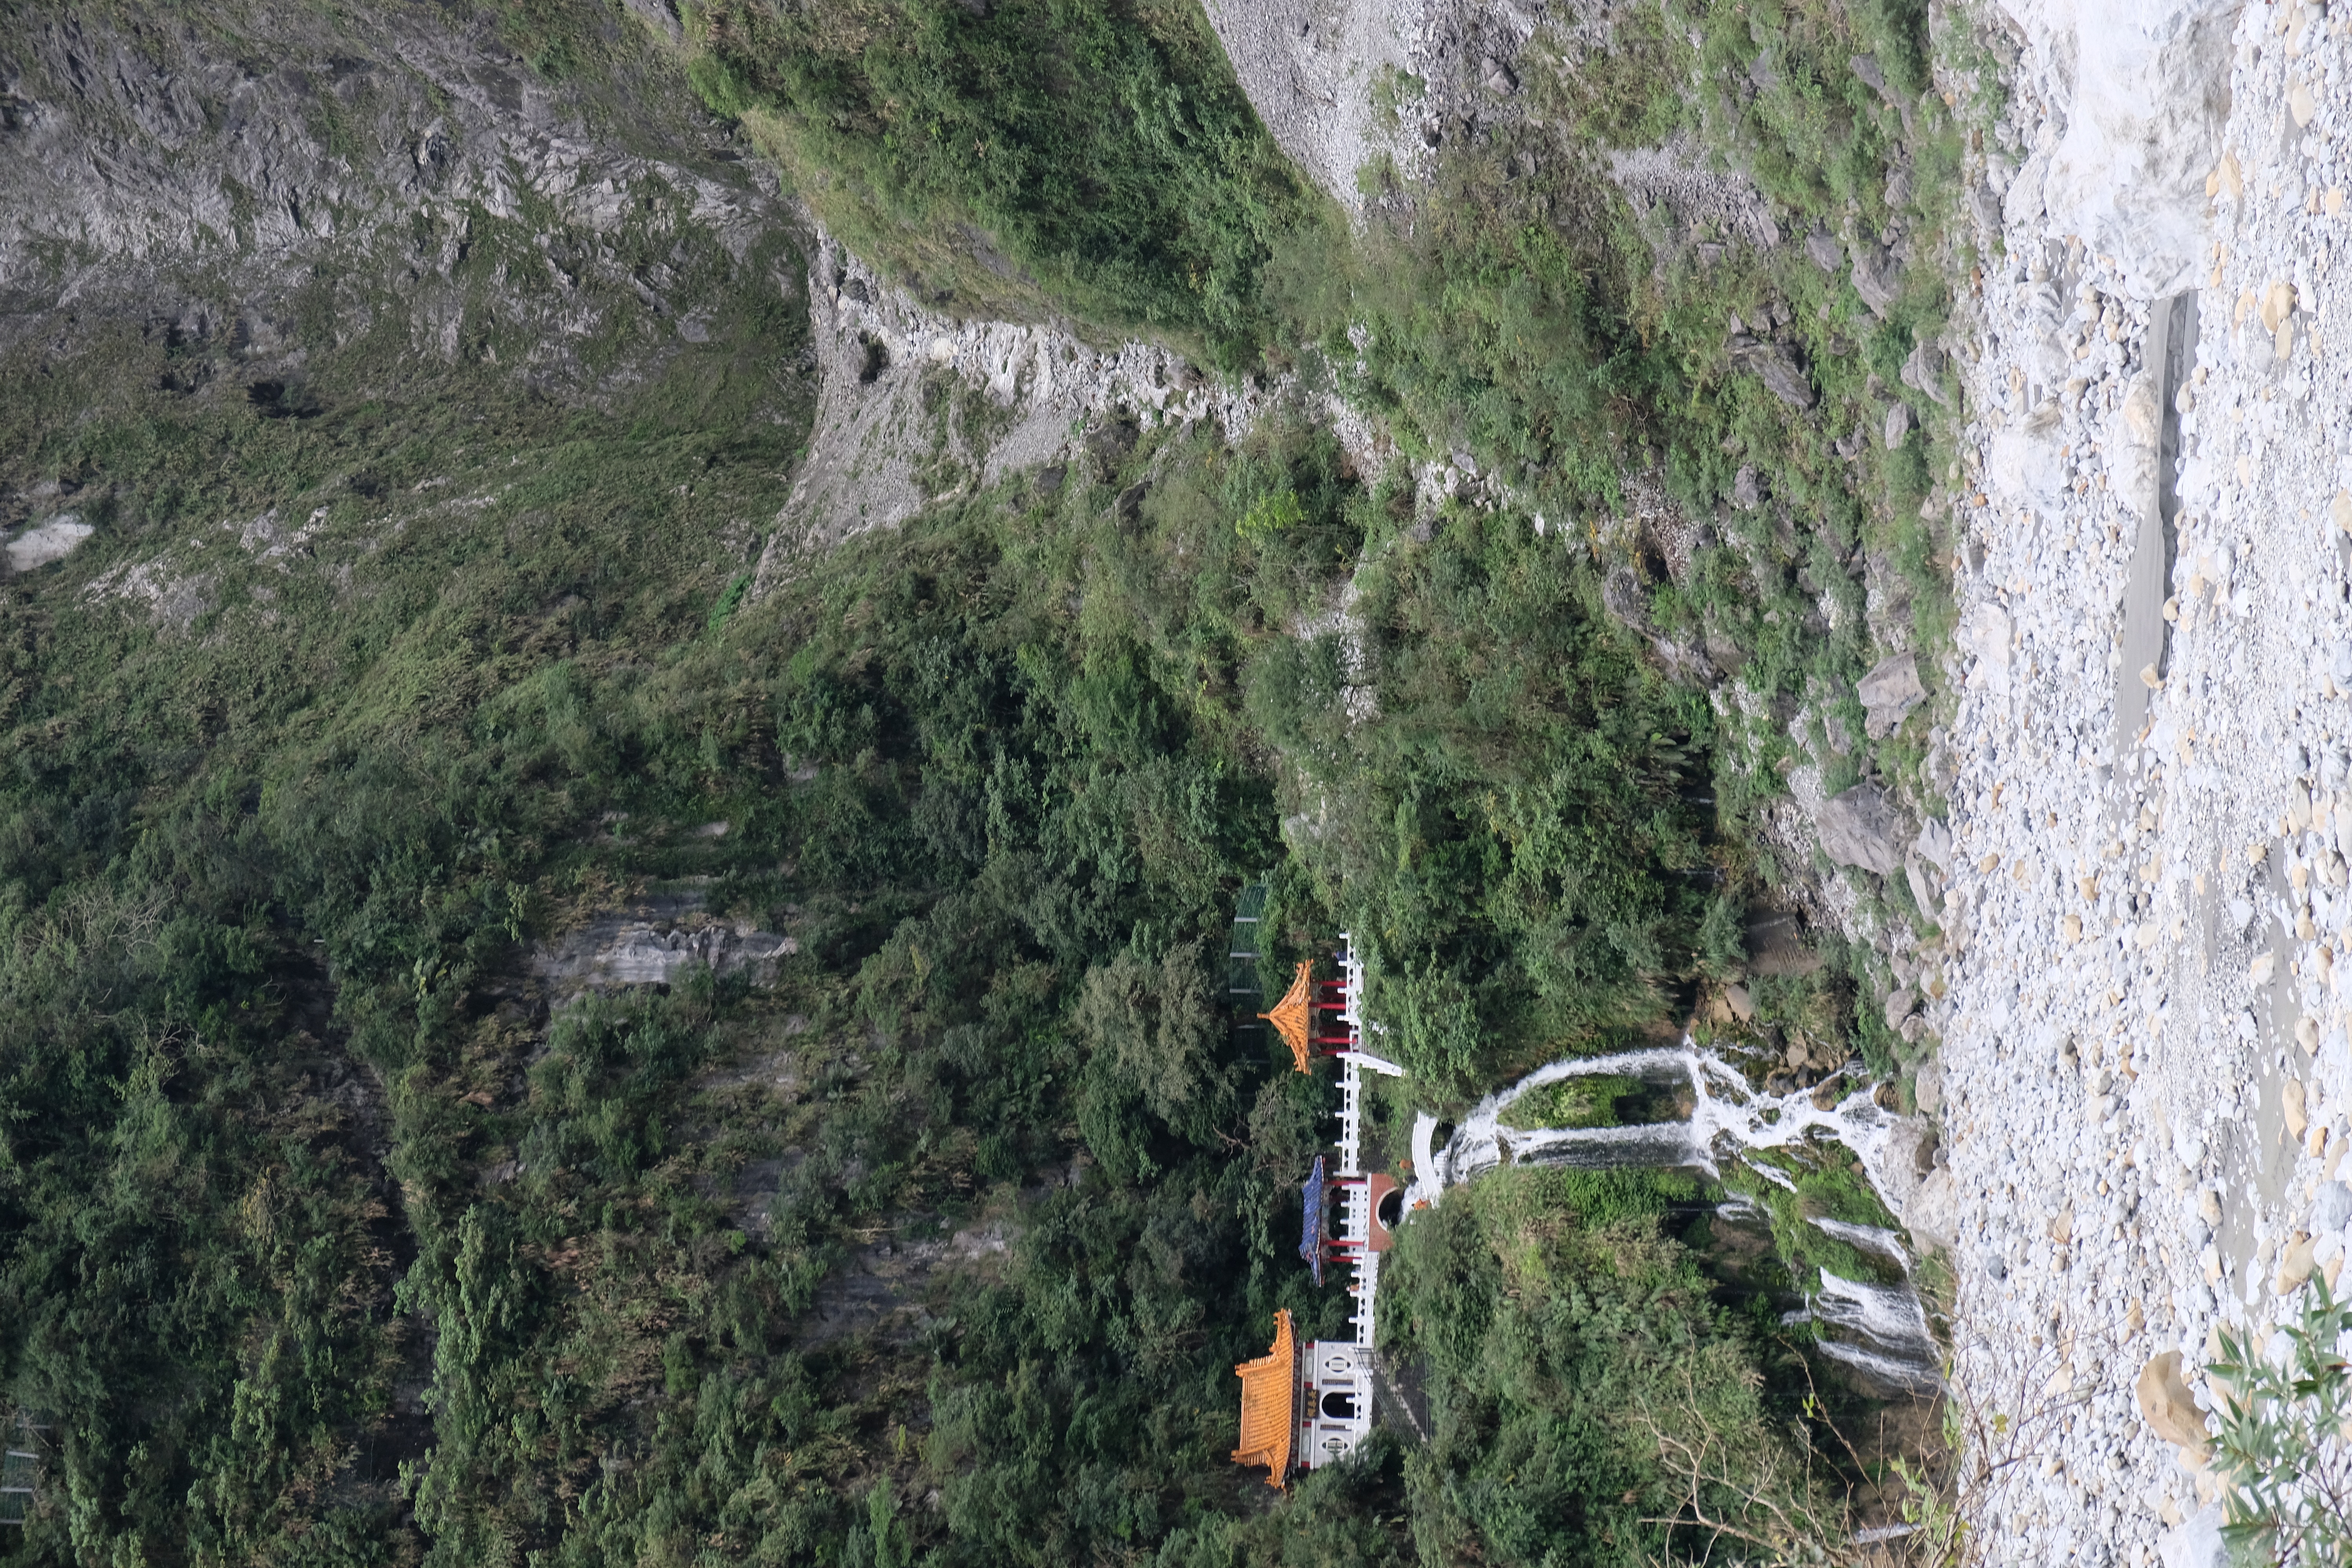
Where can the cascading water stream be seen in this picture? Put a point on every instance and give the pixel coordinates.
(1884, 1329)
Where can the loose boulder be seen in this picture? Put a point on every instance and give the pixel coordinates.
(1924, 373)
(2194, 1541)
(1776, 367)
(1898, 425)
(2166, 1405)
(1747, 489)
(2331, 1207)
(1905, 1160)
(1923, 888)
(1934, 1215)
(1877, 277)
(1889, 692)
(1927, 1087)
(2026, 465)
(1858, 827)
(1986, 633)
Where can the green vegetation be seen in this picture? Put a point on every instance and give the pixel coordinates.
(274, 874)
(1591, 1404)
(1827, 1183)
(1003, 155)
(1515, 309)
(2283, 1452)
(1590, 1101)
(1510, 834)
(337, 1227)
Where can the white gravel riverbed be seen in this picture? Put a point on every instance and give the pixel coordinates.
(2144, 1066)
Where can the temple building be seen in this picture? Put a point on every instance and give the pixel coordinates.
(1319, 1393)
(1269, 1404)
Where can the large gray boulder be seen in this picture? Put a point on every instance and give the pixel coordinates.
(1891, 690)
(1859, 828)
(1934, 1215)
(1776, 367)
(1877, 277)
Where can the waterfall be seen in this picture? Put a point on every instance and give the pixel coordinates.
(1881, 1330)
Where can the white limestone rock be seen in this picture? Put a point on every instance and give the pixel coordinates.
(1890, 692)
(1934, 1215)
(2151, 90)
(52, 541)
(1986, 633)
(2026, 464)
(2195, 1542)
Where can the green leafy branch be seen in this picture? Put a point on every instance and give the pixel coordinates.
(2285, 1449)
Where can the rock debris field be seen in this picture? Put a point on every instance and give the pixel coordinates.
(2143, 1079)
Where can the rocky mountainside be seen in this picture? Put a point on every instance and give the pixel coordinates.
(636, 685)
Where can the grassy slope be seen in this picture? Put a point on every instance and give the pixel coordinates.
(1515, 307)
(1082, 155)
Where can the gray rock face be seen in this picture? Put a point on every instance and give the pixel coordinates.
(1898, 425)
(1722, 652)
(1983, 206)
(1822, 248)
(136, 165)
(1934, 1215)
(653, 943)
(1889, 692)
(1923, 888)
(1677, 181)
(1776, 367)
(2151, 92)
(1859, 829)
(51, 541)
(1904, 1160)
(1927, 1087)
(1621, 596)
(1877, 277)
(1934, 843)
(1923, 373)
(1746, 489)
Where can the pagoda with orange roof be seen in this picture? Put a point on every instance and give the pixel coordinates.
(1269, 1404)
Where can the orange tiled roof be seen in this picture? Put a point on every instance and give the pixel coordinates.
(1290, 1015)
(1269, 1394)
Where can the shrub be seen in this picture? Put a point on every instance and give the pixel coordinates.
(2284, 1449)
